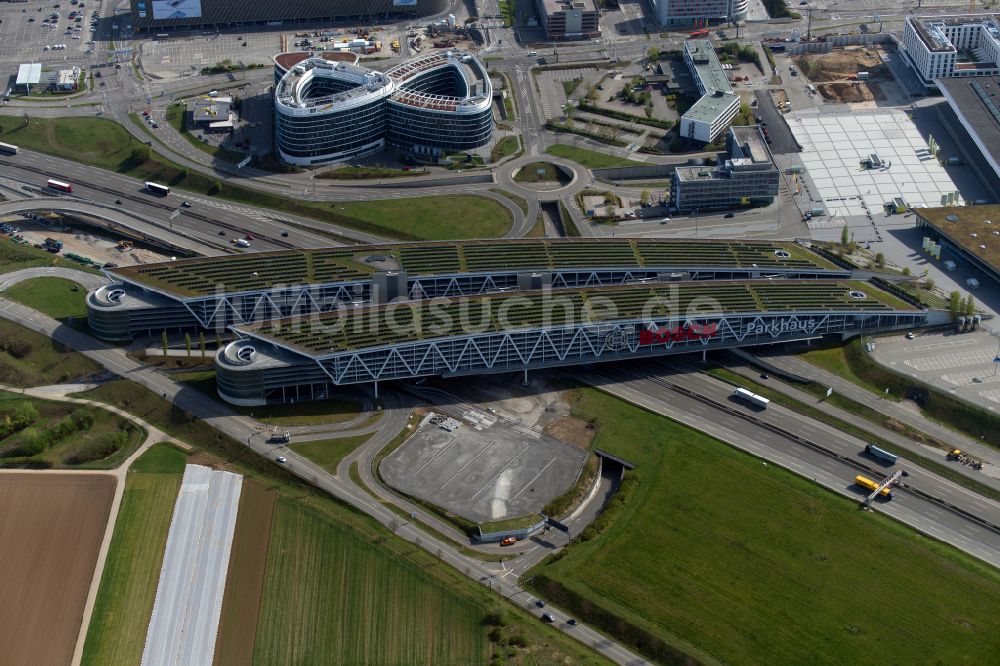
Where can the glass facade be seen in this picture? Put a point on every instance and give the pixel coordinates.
(328, 135)
(414, 126)
(439, 102)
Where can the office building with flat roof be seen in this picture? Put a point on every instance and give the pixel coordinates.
(746, 177)
(940, 47)
(570, 19)
(678, 13)
(709, 116)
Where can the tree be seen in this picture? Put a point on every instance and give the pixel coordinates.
(649, 108)
(906, 270)
(880, 260)
(929, 285)
(164, 340)
(187, 344)
(970, 306)
(24, 119)
(216, 188)
(645, 197)
(201, 343)
(955, 305)
(653, 53)
(592, 92)
(843, 236)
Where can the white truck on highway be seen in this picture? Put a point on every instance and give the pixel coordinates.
(751, 398)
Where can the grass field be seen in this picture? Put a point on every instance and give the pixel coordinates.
(505, 147)
(590, 158)
(544, 645)
(317, 412)
(354, 603)
(540, 172)
(30, 359)
(117, 631)
(433, 218)
(98, 445)
(329, 452)
(245, 577)
(57, 297)
(732, 561)
(50, 535)
(106, 144)
(14, 256)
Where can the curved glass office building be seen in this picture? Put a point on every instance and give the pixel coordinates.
(328, 111)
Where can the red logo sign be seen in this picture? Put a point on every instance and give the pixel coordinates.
(677, 334)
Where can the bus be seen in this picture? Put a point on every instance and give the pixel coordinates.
(156, 188)
(59, 185)
(865, 482)
(8, 149)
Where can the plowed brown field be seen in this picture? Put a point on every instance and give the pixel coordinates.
(51, 527)
(245, 580)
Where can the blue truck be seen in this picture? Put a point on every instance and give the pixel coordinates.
(881, 454)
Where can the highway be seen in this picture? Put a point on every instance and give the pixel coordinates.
(647, 390)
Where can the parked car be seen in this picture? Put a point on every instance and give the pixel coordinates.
(508, 541)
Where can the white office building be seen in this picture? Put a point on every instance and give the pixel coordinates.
(711, 115)
(941, 47)
(674, 13)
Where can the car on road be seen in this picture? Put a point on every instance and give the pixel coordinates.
(548, 617)
(221, 232)
(281, 460)
(571, 622)
(508, 541)
(728, 215)
(909, 335)
(284, 234)
(249, 236)
(185, 204)
(764, 375)
(540, 603)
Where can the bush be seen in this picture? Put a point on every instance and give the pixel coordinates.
(16, 347)
(99, 448)
(216, 188)
(141, 154)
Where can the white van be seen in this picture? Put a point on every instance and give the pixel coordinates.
(532, 54)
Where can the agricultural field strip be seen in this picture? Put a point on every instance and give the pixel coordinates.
(188, 604)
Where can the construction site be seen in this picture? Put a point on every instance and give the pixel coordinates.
(849, 75)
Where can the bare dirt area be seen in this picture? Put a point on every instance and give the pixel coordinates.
(845, 93)
(245, 580)
(836, 74)
(85, 243)
(840, 64)
(571, 430)
(50, 533)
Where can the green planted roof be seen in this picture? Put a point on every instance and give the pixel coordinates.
(263, 270)
(359, 328)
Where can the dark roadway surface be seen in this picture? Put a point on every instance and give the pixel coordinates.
(782, 141)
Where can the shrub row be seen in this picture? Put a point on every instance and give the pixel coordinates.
(621, 115)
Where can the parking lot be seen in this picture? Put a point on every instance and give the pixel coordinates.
(504, 469)
(186, 55)
(28, 27)
(961, 363)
